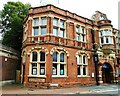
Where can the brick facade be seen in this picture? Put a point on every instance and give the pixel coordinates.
(72, 48)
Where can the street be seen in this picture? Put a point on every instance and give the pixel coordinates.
(104, 89)
(112, 90)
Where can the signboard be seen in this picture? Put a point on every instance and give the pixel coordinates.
(95, 56)
(37, 80)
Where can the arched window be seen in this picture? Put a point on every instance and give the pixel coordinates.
(62, 57)
(59, 64)
(55, 57)
(82, 65)
(84, 59)
(34, 56)
(37, 67)
(42, 56)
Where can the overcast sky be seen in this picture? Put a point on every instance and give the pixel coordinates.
(85, 8)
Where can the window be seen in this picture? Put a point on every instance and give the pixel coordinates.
(42, 68)
(42, 56)
(84, 70)
(39, 26)
(54, 70)
(36, 31)
(77, 28)
(55, 56)
(62, 24)
(80, 33)
(102, 41)
(62, 33)
(107, 41)
(37, 67)
(79, 70)
(59, 64)
(62, 69)
(84, 61)
(34, 69)
(82, 65)
(43, 21)
(36, 21)
(43, 31)
(78, 37)
(55, 31)
(83, 37)
(34, 56)
(101, 17)
(59, 27)
(55, 22)
(105, 36)
(62, 57)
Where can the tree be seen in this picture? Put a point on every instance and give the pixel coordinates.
(12, 17)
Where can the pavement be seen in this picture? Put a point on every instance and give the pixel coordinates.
(19, 89)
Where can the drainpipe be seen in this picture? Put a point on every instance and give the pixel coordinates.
(95, 57)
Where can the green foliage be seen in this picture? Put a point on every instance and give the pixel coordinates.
(12, 17)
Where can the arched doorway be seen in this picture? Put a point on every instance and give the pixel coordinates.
(107, 73)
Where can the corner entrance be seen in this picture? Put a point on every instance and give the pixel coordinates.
(107, 73)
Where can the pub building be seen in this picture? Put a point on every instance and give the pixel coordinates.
(58, 48)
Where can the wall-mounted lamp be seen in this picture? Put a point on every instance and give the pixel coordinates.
(6, 59)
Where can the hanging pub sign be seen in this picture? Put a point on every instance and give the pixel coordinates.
(118, 60)
(95, 56)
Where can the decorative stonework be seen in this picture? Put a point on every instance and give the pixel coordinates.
(23, 52)
(82, 52)
(36, 48)
(58, 49)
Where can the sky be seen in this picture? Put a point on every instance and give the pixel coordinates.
(84, 8)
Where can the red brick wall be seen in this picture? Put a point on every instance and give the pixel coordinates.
(71, 67)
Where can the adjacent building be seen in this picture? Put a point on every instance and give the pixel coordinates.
(59, 47)
(10, 63)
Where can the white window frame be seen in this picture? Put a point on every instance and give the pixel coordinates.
(59, 27)
(79, 31)
(39, 26)
(60, 63)
(38, 62)
(105, 36)
(80, 63)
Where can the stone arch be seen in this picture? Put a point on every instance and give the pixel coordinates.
(106, 71)
(59, 49)
(82, 52)
(38, 48)
(112, 66)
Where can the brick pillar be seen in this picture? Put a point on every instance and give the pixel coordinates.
(48, 68)
(49, 25)
(26, 69)
(100, 74)
(29, 29)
